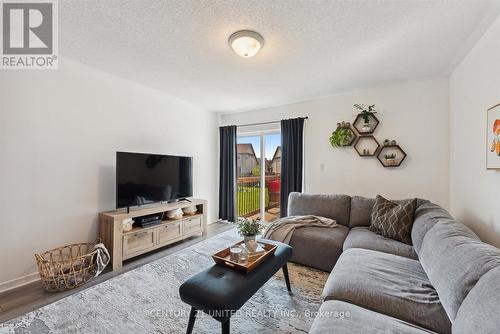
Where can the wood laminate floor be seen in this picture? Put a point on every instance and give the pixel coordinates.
(27, 298)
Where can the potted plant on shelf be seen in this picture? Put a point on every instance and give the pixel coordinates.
(341, 136)
(390, 159)
(366, 112)
(249, 228)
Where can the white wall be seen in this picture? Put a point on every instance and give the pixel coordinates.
(59, 131)
(413, 113)
(474, 87)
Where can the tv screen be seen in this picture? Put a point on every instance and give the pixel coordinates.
(149, 178)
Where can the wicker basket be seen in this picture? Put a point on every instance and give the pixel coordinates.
(67, 267)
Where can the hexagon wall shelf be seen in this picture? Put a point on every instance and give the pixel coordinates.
(359, 122)
(391, 149)
(353, 139)
(367, 146)
(354, 136)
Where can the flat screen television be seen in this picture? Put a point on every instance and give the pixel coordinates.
(143, 178)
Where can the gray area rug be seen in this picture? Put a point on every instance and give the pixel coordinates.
(146, 300)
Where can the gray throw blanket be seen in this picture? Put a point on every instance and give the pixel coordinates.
(102, 258)
(282, 230)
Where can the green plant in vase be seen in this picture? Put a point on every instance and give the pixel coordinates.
(366, 112)
(341, 137)
(249, 228)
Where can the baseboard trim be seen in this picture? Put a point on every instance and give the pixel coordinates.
(18, 282)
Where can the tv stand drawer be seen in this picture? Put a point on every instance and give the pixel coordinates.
(192, 225)
(138, 242)
(168, 232)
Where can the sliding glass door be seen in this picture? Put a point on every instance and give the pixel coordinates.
(258, 171)
(248, 188)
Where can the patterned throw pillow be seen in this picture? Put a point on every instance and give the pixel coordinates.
(393, 220)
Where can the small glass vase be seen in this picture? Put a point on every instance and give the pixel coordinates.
(243, 259)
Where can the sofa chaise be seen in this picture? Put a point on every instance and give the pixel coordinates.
(446, 281)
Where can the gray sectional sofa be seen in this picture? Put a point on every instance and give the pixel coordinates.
(447, 281)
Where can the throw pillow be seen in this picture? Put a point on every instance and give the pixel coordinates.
(393, 220)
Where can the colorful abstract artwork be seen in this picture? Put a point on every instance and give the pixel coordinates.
(493, 138)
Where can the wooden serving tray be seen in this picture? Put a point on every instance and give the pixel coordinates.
(223, 257)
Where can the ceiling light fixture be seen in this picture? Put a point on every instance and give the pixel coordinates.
(246, 43)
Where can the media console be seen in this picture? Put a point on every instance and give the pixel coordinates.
(140, 240)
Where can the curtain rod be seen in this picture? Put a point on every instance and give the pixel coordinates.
(263, 123)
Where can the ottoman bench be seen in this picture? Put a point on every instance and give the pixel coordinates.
(220, 291)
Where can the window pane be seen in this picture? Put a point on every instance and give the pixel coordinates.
(248, 177)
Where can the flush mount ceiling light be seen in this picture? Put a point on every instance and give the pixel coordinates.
(246, 43)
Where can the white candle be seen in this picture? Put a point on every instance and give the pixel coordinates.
(235, 253)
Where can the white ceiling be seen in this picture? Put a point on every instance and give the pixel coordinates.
(313, 48)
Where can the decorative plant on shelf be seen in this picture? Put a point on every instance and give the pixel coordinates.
(366, 111)
(390, 158)
(249, 228)
(341, 136)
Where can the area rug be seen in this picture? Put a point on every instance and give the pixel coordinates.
(146, 300)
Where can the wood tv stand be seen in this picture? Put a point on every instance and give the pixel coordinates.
(126, 245)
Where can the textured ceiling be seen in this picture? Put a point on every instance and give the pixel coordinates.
(313, 48)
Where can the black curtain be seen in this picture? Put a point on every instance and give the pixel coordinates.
(292, 147)
(227, 176)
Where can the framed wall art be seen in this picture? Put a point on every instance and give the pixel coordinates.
(493, 138)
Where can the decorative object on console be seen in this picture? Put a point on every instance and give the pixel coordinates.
(190, 210)
(493, 138)
(393, 220)
(127, 224)
(175, 214)
(366, 122)
(343, 136)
